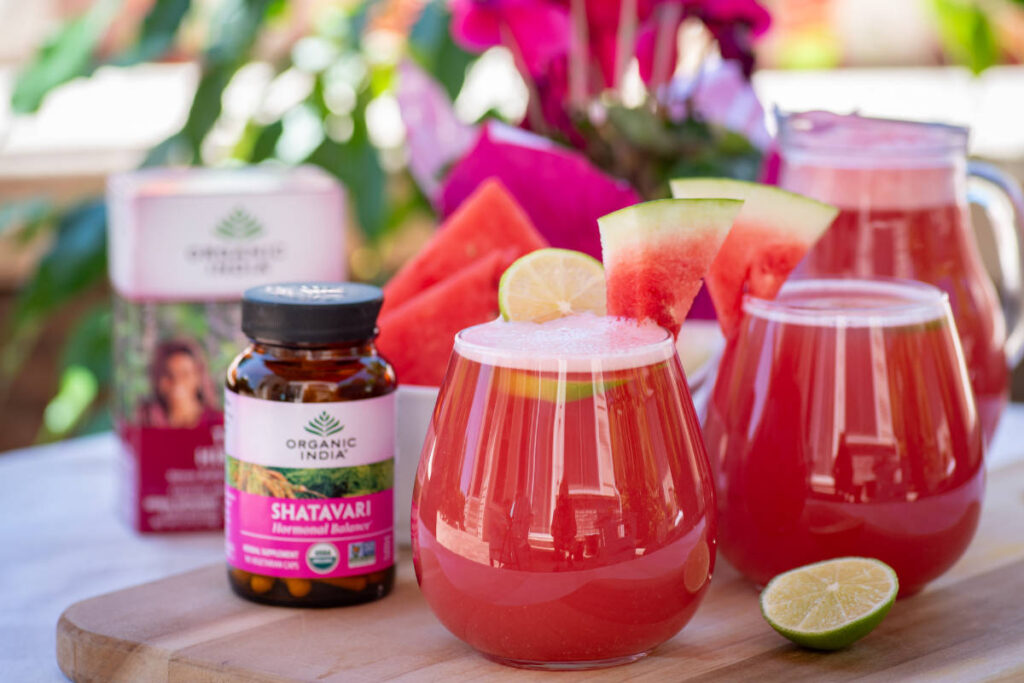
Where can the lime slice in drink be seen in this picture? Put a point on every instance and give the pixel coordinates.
(532, 385)
(831, 604)
(551, 283)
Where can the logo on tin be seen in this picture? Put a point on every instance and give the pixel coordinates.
(239, 225)
(324, 425)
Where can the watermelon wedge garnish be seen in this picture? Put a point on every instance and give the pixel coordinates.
(774, 230)
(489, 220)
(656, 253)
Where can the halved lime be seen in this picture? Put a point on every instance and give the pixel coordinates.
(829, 605)
(551, 283)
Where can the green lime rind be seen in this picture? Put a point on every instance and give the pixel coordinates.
(843, 636)
(731, 188)
(530, 385)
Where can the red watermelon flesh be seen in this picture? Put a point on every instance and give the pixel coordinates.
(417, 337)
(773, 232)
(488, 220)
(656, 254)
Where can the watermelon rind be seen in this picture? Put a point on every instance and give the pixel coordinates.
(794, 214)
(648, 222)
(657, 253)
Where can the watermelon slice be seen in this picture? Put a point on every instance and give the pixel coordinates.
(418, 335)
(656, 253)
(774, 230)
(489, 220)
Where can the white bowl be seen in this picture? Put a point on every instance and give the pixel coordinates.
(699, 344)
(415, 406)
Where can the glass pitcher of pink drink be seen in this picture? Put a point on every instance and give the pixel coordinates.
(903, 189)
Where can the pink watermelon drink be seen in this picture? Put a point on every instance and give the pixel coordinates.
(903, 214)
(841, 424)
(563, 511)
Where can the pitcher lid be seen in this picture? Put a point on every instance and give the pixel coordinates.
(853, 135)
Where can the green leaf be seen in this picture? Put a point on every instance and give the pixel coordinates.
(76, 261)
(76, 393)
(90, 343)
(360, 18)
(236, 25)
(257, 142)
(967, 34)
(66, 55)
(174, 151)
(24, 218)
(356, 164)
(431, 45)
(206, 106)
(87, 359)
(98, 419)
(158, 32)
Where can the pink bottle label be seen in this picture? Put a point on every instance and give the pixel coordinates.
(309, 487)
(309, 538)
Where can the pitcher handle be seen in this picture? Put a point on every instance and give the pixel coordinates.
(1001, 198)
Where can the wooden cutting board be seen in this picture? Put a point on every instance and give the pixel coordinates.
(969, 625)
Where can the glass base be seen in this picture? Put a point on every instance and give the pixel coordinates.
(567, 666)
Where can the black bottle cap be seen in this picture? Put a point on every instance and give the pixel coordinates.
(305, 313)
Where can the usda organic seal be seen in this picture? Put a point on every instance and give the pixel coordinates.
(322, 557)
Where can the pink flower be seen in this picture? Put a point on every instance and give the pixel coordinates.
(436, 138)
(721, 95)
(747, 12)
(603, 26)
(561, 191)
(735, 24)
(534, 30)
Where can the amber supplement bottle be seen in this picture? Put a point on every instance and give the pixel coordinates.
(310, 442)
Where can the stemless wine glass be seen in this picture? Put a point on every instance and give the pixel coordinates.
(563, 515)
(842, 423)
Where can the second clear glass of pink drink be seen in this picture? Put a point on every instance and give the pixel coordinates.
(902, 191)
(841, 423)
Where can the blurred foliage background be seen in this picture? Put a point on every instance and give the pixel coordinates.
(325, 72)
(328, 68)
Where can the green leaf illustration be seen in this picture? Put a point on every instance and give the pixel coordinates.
(239, 225)
(324, 425)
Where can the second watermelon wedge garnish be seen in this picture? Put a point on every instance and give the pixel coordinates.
(772, 233)
(656, 253)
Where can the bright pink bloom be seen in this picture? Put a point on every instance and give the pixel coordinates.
(735, 24)
(436, 137)
(747, 12)
(535, 31)
(561, 191)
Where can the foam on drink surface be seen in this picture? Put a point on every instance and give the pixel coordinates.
(857, 162)
(853, 303)
(578, 343)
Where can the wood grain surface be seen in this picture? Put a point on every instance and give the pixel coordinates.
(968, 625)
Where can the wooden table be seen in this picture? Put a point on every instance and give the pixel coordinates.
(62, 541)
